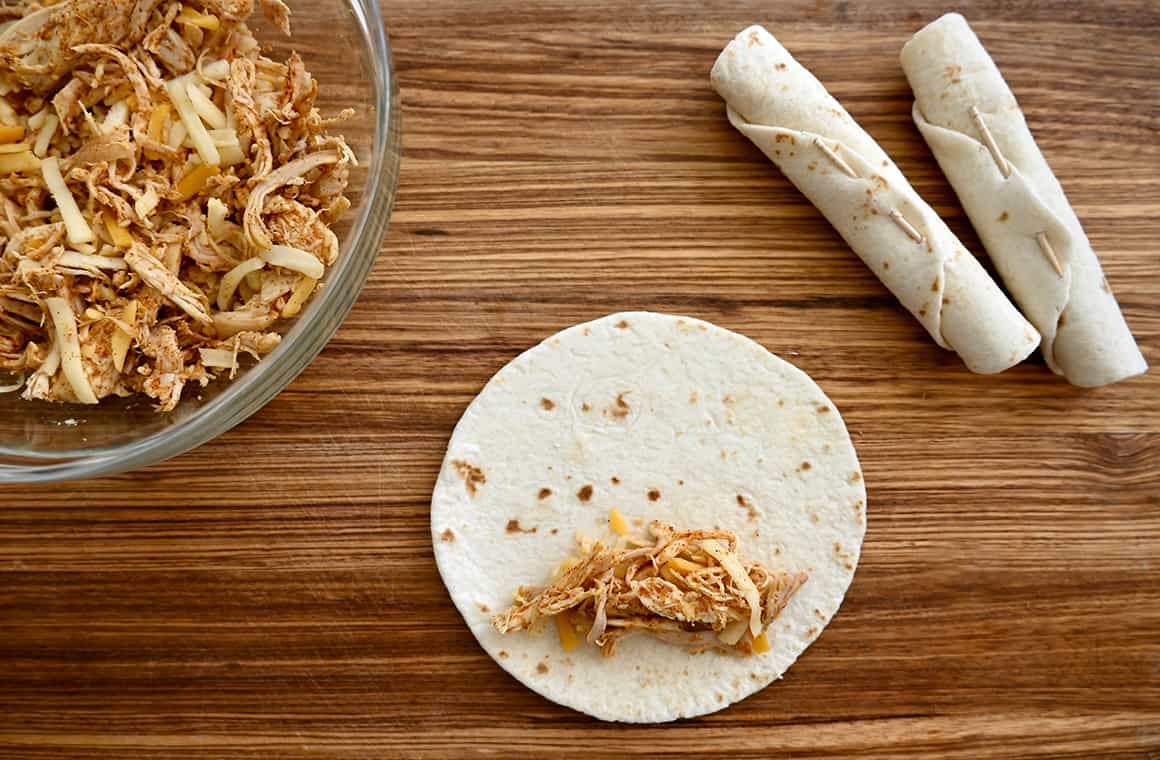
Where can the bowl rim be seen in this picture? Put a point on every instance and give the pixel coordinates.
(306, 338)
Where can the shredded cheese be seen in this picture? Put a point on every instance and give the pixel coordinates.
(19, 163)
(64, 326)
(117, 116)
(194, 182)
(566, 630)
(192, 17)
(36, 120)
(215, 219)
(216, 70)
(760, 644)
(118, 234)
(121, 339)
(147, 203)
(294, 258)
(75, 260)
(78, 229)
(617, 523)
(732, 565)
(298, 297)
(203, 143)
(233, 278)
(45, 135)
(219, 358)
(10, 134)
(209, 113)
(733, 632)
(158, 121)
(228, 146)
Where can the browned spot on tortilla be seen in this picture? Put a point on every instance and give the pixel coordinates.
(946, 301)
(638, 521)
(837, 549)
(620, 409)
(693, 397)
(541, 667)
(922, 312)
(858, 505)
(587, 331)
(814, 517)
(585, 493)
(483, 607)
(447, 535)
(547, 404)
(777, 550)
(615, 480)
(823, 409)
(812, 631)
(513, 526)
(855, 477)
(776, 152)
(886, 163)
(720, 697)
(622, 324)
(728, 399)
(782, 137)
(544, 493)
(654, 494)
(748, 506)
(554, 531)
(473, 477)
(584, 407)
(754, 39)
(781, 402)
(755, 677)
(781, 66)
(848, 565)
(813, 165)
(885, 264)
(821, 615)
(1004, 216)
(502, 654)
(880, 181)
(804, 466)
(934, 285)
(680, 482)
(1062, 319)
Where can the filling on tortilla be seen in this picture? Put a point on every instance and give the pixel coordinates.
(686, 587)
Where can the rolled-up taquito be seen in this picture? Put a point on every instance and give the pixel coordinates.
(974, 126)
(787, 113)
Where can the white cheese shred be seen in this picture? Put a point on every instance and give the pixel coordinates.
(296, 259)
(64, 325)
(78, 229)
(198, 134)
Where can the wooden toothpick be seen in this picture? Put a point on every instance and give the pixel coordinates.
(989, 141)
(833, 156)
(906, 226)
(1049, 252)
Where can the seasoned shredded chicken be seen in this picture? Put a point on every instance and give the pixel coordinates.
(166, 195)
(688, 588)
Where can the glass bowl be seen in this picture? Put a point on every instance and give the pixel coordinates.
(344, 45)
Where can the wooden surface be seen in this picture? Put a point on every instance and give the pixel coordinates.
(273, 593)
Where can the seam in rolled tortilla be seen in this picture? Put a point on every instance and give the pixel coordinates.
(976, 130)
(779, 105)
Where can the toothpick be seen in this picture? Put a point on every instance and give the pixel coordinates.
(989, 141)
(1049, 252)
(906, 226)
(833, 156)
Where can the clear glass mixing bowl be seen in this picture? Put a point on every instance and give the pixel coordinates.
(344, 45)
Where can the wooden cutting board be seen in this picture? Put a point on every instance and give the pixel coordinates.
(273, 593)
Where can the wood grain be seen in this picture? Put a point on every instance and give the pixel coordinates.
(273, 593)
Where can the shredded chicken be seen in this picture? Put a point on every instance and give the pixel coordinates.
(682, 587)
(166, 195)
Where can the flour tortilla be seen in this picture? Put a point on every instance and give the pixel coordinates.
(783, 109)
(710, 416)
(1085, 337)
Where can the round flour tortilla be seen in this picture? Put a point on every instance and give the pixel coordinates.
(663, 418)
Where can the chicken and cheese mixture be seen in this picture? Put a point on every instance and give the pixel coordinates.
(686, 587)
(166, 195)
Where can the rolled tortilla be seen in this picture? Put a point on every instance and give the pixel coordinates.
(787, 113)
(1016, 204)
